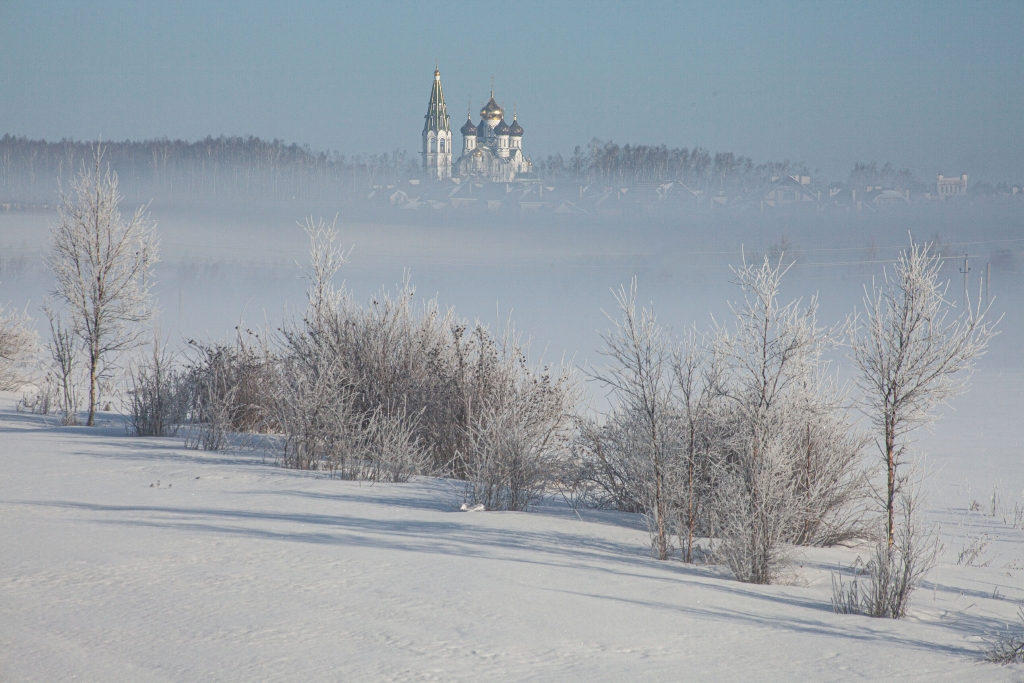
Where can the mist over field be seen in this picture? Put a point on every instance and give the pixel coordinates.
(552, 274)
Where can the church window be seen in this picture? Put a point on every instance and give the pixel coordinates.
(442, 145)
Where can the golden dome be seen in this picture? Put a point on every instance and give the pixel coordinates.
(492, 112)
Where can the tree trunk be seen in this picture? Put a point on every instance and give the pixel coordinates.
(659, 510)
(890, 459)
(807, 492)
(93, 365)
(690, 519)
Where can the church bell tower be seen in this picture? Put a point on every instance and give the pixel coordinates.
(437, 135)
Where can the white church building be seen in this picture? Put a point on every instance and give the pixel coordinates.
(491, 151)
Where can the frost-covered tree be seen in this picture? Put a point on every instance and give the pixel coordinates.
(639, 376)
(740, 435)
(773, 483)
(911, 356)
(697, 370)
(103, 267)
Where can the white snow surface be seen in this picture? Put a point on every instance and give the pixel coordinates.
(125, 559)
(128, 559)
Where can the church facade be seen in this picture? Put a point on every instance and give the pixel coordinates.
(491, 151)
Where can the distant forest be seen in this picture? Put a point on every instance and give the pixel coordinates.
(213, 169)
(611, 164)
(240, 168)
(608, 163)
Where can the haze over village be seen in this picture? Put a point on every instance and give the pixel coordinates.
(632, 341)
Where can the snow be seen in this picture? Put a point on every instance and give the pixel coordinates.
(127, 559)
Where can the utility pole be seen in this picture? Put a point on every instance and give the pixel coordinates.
(965, 270)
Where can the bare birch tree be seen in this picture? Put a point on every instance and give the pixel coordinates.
(740, 435)
(326, 259)
(911, 356)
(640, 379)
(698, 374)
(773, 357)
(103, 267)
(64, 370)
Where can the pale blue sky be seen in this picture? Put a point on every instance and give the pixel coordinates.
(936, 86)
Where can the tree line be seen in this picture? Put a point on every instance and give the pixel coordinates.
(212, 169)
(246, 168)
(606, 162)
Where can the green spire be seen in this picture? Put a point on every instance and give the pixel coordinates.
(437, 114)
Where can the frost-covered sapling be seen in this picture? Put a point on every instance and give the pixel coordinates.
(641, 382)
(773, 485)
(64, 371)
(911, 355)
(520, 430)
(103, 267)
(741, 434)
(698, 374)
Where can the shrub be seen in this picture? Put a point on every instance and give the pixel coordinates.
(230, 388)
(158, 395)
(390, 389)
(1007, 647)
(18, 344)
(740, 434)
(884, 586)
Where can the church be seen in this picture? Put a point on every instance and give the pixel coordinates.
(491, 151)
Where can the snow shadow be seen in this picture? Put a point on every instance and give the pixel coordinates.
(848, 627)
(464, 535)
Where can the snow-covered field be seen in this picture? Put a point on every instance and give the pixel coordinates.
(128, 559)
(125, 559)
